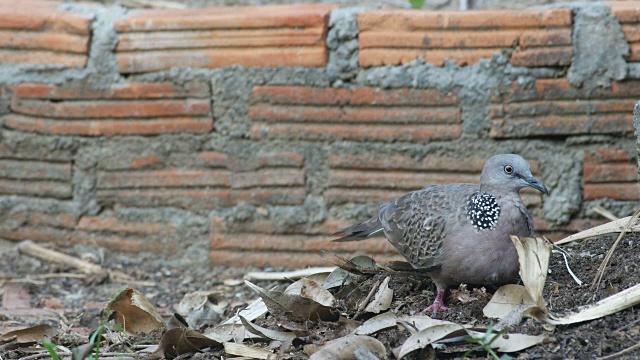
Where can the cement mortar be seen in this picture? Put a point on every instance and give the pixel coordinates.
(599, 48)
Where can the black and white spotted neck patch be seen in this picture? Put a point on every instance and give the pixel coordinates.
(483, 211)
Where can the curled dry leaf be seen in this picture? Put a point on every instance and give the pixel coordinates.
(344, 348)
(245, 351)
(251, 312)
(379, 322)
(507, 299)
(463, 295)
(309, 289)
(534, 255)
(178, 341)
(511, 342)
(298, 307)
(382, 299)
(429, 335)
(201, 307)
(29, 335)
(267, 333)
(133, 312)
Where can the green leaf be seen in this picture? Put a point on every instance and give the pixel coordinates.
(417, 4)
(52, 349)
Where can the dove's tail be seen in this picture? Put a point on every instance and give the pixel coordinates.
(360, 231)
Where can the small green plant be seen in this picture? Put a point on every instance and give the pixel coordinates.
(52, 349)
(484, 343)
(417, 4)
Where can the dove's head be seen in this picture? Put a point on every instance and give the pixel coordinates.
(508, 172)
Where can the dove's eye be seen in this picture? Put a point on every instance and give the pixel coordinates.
(508, 169)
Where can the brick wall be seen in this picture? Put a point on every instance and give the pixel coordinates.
(245, 136)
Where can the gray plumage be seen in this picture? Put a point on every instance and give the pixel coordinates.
(459, 233)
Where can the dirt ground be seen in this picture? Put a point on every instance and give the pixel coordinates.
(32, 295)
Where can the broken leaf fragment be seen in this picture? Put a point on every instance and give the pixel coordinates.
(298, 307)
(507, 299)
(267, 333)
(345, 348)
(382, 299)
(133, 312)
(379, 322)
(29, 335)
(179, 341)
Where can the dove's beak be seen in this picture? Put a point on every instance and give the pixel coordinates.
(534, 183)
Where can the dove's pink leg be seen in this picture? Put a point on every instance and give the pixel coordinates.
(438, 303)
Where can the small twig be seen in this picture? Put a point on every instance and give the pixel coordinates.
(605, 213)
(30, 248)
(600, 273)
(366, 300)
(566, 262)
(622, 352)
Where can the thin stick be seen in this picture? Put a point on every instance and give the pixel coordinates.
(622, 352)
(605, 213)
(364, 303)
(600, 273)
(30, 248)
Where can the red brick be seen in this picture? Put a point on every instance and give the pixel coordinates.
(221, 38)
(163, 178)
(226, 18)
(111, 109)
(199, 199)
(616, 191)
(30, 4)
(41, 57)
(301, 95)
(109, 127)
(270, 226)
(44, 41)
(117, 243)
(51, 189)
(276, 159)
(331, 132)
(631, 32)
(34, 170)
(40, 233)
(322, 114)
(43, 19)
(269, 177)
(439, 39)
(542, 56)
(387, 179)
(563, 126)
(115, 225)
(289, 260)
(215, 159)
(598, 156)
(161, 90)
(144, 162)
(310, 56)
(380, 57)
(606, 173)
(545, 37)
(483, 19)
(278, 243)
(634, 53)
(564, 107)
(58, 220)
(405, 162)
(560, 89)
(626, 12)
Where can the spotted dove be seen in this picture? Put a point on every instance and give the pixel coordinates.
(459, 233)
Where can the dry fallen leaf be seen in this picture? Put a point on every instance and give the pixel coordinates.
(202, 307)
(344, 348)
(29, 335)
(379, 322)
(267, 333)
(429, 335)
(133, 312)
(297, 307)
(382, 299)
(250, 352)
(511, 342)
(179, 341)
(463, 295)
(507, 299)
